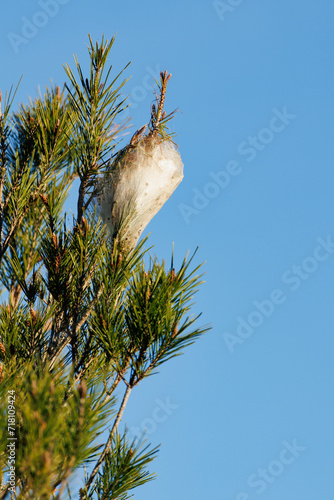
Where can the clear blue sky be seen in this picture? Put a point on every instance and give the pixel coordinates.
(250, 411)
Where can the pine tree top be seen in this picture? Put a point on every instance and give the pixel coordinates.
(84, 316)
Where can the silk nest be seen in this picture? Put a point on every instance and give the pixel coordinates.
(139, 184)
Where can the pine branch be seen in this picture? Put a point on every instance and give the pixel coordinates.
(4, 136)
(17, 221)
(159, 114)
(159, 119)
(123, 469)
(3, 161)
(84, 493)
(65, 339)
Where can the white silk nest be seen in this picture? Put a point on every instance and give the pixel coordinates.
(139, 184)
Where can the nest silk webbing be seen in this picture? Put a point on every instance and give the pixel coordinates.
(139, 184)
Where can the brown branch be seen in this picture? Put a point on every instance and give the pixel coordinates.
(68, 338)
(81, 197)
(164, 80)
(2, 170)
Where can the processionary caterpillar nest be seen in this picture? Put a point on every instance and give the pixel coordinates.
(140, 182)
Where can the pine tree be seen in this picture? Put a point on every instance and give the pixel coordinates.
(86, 313)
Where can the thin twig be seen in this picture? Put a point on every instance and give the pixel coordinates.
(164, 80)
(16, 223)
(83, 371)
(67, 339)
(108, 444)
(2, 172)
(81, 198)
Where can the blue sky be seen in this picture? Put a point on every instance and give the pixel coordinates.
(247, 413)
